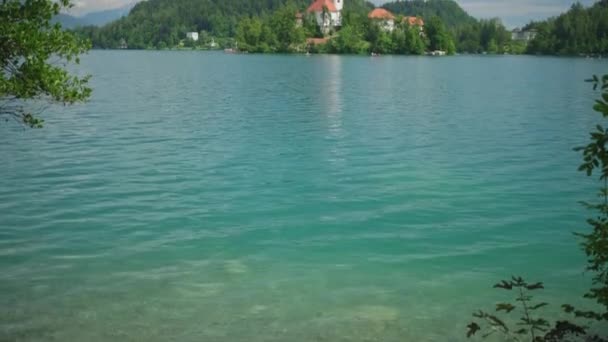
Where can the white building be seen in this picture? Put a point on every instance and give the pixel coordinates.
(521, 35)
(385, 19)
(328, 13)
(192, 36)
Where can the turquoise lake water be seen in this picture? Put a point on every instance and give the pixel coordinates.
(211, 197)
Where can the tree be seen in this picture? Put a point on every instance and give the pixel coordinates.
(439, 37)
(595, 243)
(349, 41)
(28, 43)
(283, 25)
(595, 246)
(579, 31)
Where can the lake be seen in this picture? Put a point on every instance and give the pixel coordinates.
(208, 197)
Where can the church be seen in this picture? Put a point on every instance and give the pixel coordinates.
(328, 14)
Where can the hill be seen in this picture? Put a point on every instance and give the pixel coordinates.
(448, 11)
(579, 31)
(163, 23)
(99, 18)
(67, 21)
(470, 35)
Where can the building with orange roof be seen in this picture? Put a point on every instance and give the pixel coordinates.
(328, 13)
(316, 41)
(414, 21)
(385, 18)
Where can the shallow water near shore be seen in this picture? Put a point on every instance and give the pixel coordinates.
(208, 197)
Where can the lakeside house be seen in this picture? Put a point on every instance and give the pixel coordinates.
(385, 19)
(328, 14)
(316, 41)
(123, 44)
(416, 22)
(523, 35)
(192, 36)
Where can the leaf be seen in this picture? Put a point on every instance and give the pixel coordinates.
(504, 285)
(535, 286)
(538, 306)
(479, 314)
(495, 321)
(505, 307)
(473, 328)
(486, 335)
(540, 322)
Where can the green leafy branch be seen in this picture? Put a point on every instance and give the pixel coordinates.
(28, 43)
(595, 243)
(527, 324)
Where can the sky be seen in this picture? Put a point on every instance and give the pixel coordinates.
(513, 12)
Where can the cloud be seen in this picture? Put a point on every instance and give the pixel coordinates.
(529, 8)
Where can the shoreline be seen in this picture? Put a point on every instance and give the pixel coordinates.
(595, 57)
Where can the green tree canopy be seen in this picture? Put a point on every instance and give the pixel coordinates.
(579, 31)
(28, 44)
(438, 35)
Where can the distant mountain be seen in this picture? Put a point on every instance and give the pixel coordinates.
(103, 17)
(67, 21)
(99, 18)
(160, 23)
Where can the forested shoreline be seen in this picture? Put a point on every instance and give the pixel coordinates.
(261, 26)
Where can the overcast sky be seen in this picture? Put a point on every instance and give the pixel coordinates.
(512, 12)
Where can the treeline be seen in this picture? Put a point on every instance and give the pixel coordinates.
(486, 36)
(358, 35)
(269, 26)
(164, 23)
(449, 11)
(362, 35)
(579, 31)
(275, 33)
(159, 24)
(469, 34)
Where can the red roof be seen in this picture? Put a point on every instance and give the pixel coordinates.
(413, 21)
(380, 13)
(316, 41)
(317, 6)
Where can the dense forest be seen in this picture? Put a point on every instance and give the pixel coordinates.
(164, 23)
(449, 11)
(579, 31)
(469, 34)
(358, 35)
(269, 26)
